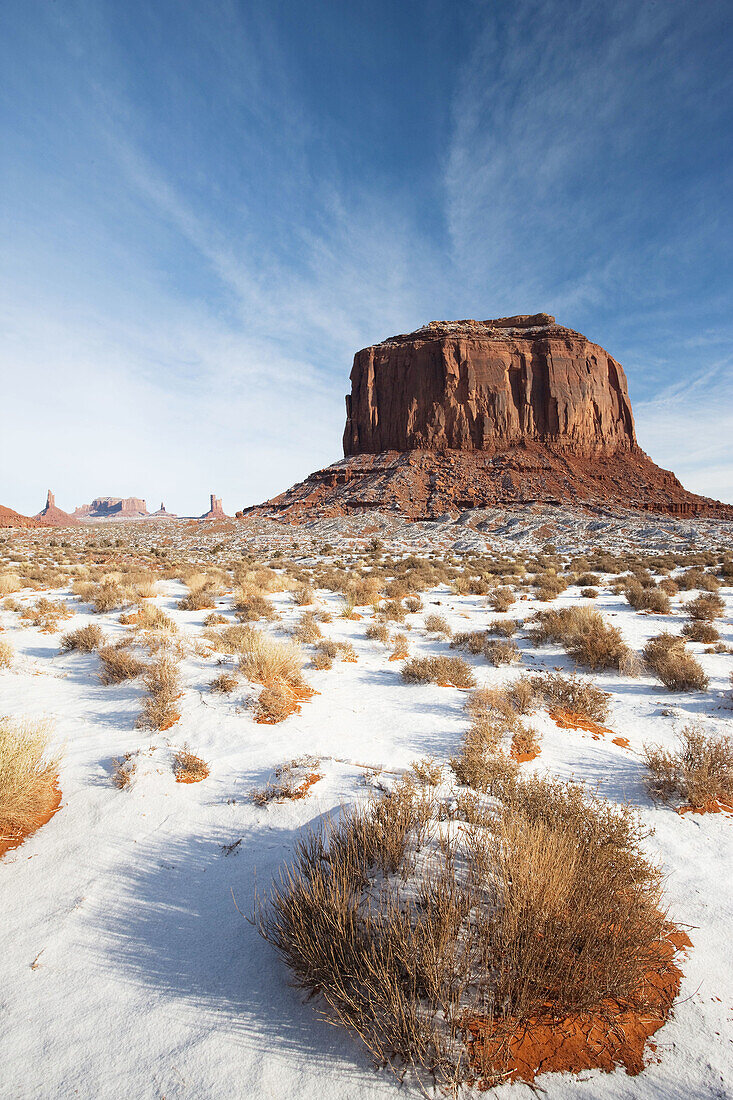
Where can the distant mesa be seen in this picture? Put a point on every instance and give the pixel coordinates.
(472, 414)
(161, 513)
(216, 509)
(113, 508)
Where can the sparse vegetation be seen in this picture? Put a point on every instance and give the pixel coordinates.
(699, 770)
(119, 663)
(27, 777)
(162, 681)
(669, 659)
(189, 768)
(7, 656)
(584, 634)
(450, 671)
(84, 640)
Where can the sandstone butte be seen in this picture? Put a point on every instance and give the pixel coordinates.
(216, 509)
(112, 507)
(469, 414)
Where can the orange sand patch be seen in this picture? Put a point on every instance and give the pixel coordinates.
(44, 814)
(296, 695)
(615, 1034)
(714, 806)
(569, 720)
(304, 788)
(524, 757)
(170, 723)
(622, 742)
(398, 657)
(186, 777)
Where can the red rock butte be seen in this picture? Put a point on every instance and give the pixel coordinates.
(470, 414)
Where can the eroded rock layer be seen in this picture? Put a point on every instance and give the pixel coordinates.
(486, 386)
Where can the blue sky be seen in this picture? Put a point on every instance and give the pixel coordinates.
(207, 208)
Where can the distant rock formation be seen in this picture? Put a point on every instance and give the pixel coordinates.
(161, 513)
(52, 516)
(216, 509)
(113, 508)
(464, 414)
(9, 518)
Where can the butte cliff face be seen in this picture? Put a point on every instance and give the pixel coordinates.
(488, 386)
(470, 414)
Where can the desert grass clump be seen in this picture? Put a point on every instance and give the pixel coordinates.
(251, 604)
(27, 778)
(150, 617)
(307, 629)
(189, 768)
(697, 630)
(437, 624)
(123, 770)
(503, 628)
(648, 599)
(163, 685)
(9, 583)
(84, 640)
(541, 906)
(413, 604)
(669, 659)
(706, 607)
(501, 652)
(201, 599)
(699, 769)
(500, 599)
(584, 634)
(292, 781)
(119, 663)
(472, 640)
(393, 611)
(304, 595)
(573, 694)
(215, 619)
(322, 661)
(108, 596)
(426, 772)
(377, 632)
(447, 671)
(525, 743)
(224, 684)
(7, 655)
(265, 661)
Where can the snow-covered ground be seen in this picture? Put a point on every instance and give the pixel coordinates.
(128, 968)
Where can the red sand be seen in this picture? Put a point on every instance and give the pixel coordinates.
(715, 806)
(615, 1034)
(7, 843)
(569, 720)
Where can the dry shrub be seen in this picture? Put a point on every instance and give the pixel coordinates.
(189, 768)
(27, 777)
(307, 628)
(700, 770)
(695, 578)
(303, 595)
(668, 585)
(472, 640)
(84, 640)
(438, 670)
(504, 628)
(123, 770)
(224, 684)
(500, 599)
(400, 648)
(162, 681)
(648, 599)
(697, 630)
(201, 599)
(321, 661)
(9, 583)
(363, 590)
(292, 781)
(407, 924)
(377, 632)
(413, 604)
(119, 663)
(705, 608)
(584, 634)
(215, 619)
(251, 604)
(501, 652)
(276, 702)
(46, 614)
(668, 658)
(150, 617)
(108, 596)
(525, 743)
(393, 611)
(437, 624)
(7, 655)
(574, 694)
(426, 772)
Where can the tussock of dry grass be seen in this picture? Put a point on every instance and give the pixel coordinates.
(307, 629)
(574, 694)
(699, 770)
(499, 652)
(118, 664)
(706, 607)
(501, 599)
(224, 684)
(123, 770)
(7, 655)
(262, 659)
(545, 900)
(378, 632)
(251, 604)
(584, 634)
(27, 776)
(668, 658)
(9, 583)
(699, 631)
(163, 684)
(188, 767)
(438, 670)
(437, 624)
(84, 640)
(648, 599)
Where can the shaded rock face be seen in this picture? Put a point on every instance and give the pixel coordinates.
(216, 509)
(10, 518)
(488, 386)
